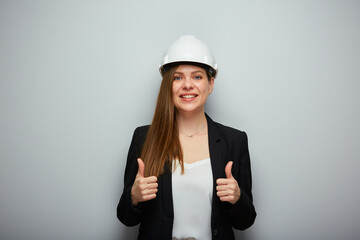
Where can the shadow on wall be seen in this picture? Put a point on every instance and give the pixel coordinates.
(129, 233)
(243, 235)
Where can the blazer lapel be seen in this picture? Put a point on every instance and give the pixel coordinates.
(217, 155)
(166, 186)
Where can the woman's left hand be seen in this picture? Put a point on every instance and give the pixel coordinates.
(227, 188)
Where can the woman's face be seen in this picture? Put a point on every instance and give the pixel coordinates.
(191, 88)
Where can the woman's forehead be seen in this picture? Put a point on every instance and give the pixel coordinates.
(188, 68)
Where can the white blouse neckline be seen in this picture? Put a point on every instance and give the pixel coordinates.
(197, 163)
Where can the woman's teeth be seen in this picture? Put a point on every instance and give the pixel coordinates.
(188, 96)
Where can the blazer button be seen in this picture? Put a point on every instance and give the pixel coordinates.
(215, 231)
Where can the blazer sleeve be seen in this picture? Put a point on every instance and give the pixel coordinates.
(126, 212)
(243, 211)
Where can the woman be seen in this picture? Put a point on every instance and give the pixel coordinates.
(187, 177)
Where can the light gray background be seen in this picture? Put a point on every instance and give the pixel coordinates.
(77, 77)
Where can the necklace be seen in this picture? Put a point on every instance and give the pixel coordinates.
(191, 135)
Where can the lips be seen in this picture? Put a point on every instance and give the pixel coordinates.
(188, 96)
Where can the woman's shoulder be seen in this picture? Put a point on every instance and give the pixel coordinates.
(228, 132)
(234, 139)
(141, 131)
(222, 127)
(229, 129)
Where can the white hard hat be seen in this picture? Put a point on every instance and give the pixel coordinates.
(189, 49)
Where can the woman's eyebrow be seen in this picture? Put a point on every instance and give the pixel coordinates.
(197, 72)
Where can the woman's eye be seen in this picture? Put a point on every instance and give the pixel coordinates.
(177, 78)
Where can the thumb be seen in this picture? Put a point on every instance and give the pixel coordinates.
(228, 169)
(141, 167)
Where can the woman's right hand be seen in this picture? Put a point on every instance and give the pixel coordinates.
(144, 188)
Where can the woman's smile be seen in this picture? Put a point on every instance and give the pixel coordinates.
(188, 97)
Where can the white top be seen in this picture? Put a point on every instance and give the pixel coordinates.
(192, 198)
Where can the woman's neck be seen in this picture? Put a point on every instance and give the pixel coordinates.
(189, 124)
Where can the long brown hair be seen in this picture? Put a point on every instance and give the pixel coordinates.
(162, 143)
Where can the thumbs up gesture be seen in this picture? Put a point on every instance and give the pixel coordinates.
(143, 189)
(227, 188)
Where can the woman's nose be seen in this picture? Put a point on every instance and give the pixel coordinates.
(188, 83)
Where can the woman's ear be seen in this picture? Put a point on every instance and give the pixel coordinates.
(211, 86)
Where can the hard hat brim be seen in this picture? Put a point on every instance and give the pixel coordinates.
(164, 68)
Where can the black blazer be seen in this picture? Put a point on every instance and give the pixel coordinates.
(156, 216)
